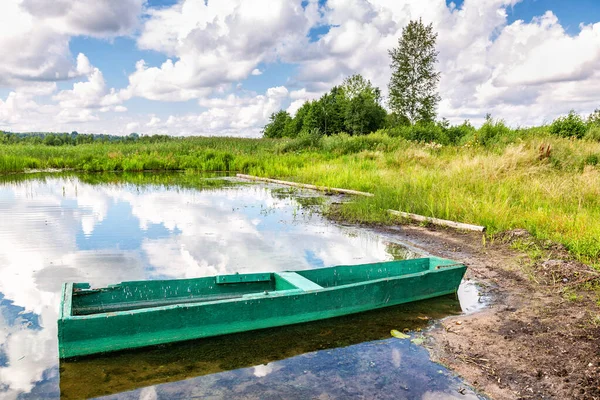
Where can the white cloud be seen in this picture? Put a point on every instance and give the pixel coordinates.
(526, 72)
(34, 35)
(15, 107)
(79, 103)
(90, 94)
(214, 43)
(154, 121)
(232, 115)
(132, 126)
(100, 18)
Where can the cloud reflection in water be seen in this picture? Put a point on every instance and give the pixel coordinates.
(63, 229)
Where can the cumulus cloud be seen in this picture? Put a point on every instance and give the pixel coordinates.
(526, 72)
(92, 94)
(35, 34)
(77, 105)
(98, 18)
(231, 115)
(214, 44)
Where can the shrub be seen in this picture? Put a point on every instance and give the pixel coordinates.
(306, 139)
(493, 131)
(571, 125)
(593, 134)
(457, 133)
(421, 132)
(346, 144)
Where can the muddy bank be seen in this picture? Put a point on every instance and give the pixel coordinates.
(540, 337)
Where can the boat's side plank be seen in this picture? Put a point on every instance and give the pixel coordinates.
(124, 330)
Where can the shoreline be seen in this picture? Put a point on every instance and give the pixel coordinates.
(530, 342)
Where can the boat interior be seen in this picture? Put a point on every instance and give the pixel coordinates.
(128, 296)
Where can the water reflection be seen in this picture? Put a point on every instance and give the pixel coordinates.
(262, 350)
(105, 229)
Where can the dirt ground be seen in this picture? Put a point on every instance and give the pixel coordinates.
(540, 336)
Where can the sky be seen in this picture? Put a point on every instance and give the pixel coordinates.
(208, 67)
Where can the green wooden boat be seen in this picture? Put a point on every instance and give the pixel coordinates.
(145, 313)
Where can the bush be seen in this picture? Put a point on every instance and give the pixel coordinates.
(306, 139)
(571, 125)
(493, 132)
(346, 144)
(421, 132)
(457, 133)
(593, 134)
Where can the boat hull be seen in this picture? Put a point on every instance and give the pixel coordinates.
(302, 301)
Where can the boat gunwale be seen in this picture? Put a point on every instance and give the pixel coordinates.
(261, 296)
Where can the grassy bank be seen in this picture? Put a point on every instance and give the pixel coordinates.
(543, 183)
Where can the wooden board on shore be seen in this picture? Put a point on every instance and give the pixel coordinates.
(305, 186)
(437, 221)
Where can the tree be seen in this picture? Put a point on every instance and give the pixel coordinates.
(363, 114)
(413, 86)
(277, 124)
(314, 118)
(333, 105)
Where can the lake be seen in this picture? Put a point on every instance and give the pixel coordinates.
(108, 228)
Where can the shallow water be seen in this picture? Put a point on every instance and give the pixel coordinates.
(104, 229)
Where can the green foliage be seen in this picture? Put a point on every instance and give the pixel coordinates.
(307, 139)
(393, 120)
(363, 113)
(492, 132)
(277, 123)
(593, 133)
(571, 125)
(353, 107)
(334, 106)
(74, 138)
(424, 132)
(457, 133)
(346, 144)
(413, 85)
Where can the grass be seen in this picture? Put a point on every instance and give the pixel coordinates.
(547, 185)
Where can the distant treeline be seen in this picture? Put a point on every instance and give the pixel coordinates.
(354, 107)
(74, 138)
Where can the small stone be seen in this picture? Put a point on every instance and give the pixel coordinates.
(458, 322)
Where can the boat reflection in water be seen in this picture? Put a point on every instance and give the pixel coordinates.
(125, 371)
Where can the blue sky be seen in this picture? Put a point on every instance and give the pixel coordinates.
(233, 63)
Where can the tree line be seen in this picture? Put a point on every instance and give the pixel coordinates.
(74, 138)
(355, 106)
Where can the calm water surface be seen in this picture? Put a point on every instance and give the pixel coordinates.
(104, 229)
